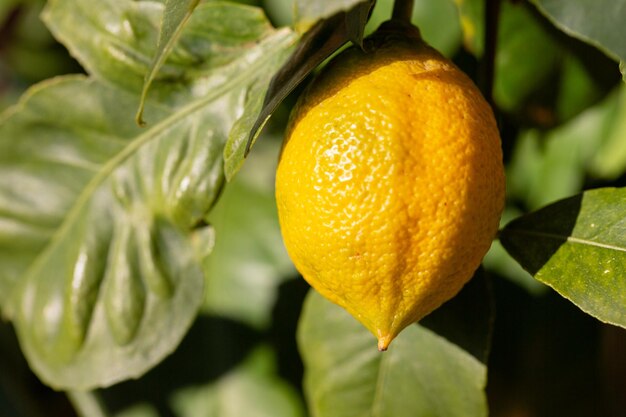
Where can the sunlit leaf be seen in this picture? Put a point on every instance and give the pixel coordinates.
(578, 247)
(421, 374)
(116, 41)
(175, 14)
(106, 222)
(109, 280)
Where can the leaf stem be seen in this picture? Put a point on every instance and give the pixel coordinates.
(402, 10)
(87, 404)
(487, 70)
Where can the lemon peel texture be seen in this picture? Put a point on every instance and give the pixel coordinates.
(390, 183)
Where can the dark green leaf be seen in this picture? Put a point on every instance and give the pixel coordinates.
(175, 14)
(421, 374)
(467, 319)
(577, 246)
(499, 261)
(598, 23)
(321, 41)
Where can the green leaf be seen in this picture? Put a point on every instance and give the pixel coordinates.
(108, 266)
(598, 23)
(175, 14)
(248, 390)
(499, 261)
(309, 12)
(467, 319)
(521, 69)
(609, 161)
(116, 42)
(421, 374)
(549, 165)
(315, 46)
(577, 247)
(105, 219)
(249, 261)
(437, 21)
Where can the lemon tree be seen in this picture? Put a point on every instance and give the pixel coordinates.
(171, 170)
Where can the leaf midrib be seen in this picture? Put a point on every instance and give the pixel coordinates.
(568, 239)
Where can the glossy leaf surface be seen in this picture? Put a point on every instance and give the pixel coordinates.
(577, 246)
(109, 217)
(597, 23)
(175, 14)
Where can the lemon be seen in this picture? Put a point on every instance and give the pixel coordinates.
(390, 183)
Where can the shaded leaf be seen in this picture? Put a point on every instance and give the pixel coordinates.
(610, 159)
(467, 319)
(321, 41)
(598, 24)
(577, 247)
(249, 261)
(500, 262)
(249, 390)
(175, 14)
(549, 165)
(421, 374)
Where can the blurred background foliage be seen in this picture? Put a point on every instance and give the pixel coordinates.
(561, 106)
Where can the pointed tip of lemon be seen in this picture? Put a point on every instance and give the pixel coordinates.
(383, 342)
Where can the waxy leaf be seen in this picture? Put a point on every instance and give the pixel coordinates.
(175, 14)
(598, 23)
(578, 247)
(422, 374)
(118, 280)
(106, 227)
(117, 40)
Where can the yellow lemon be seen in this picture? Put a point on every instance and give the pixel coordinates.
(390, 183)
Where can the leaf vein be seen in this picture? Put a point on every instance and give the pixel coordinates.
(568, 239)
